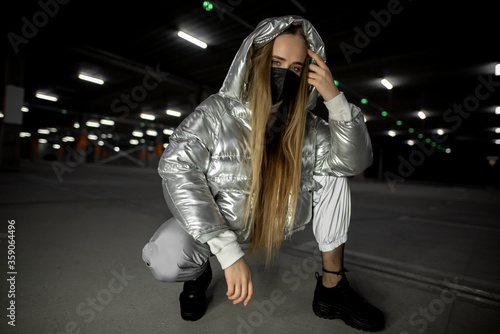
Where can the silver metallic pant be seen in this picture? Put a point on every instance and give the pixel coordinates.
(173, 255)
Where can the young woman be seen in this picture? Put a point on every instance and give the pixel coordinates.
(253, 165)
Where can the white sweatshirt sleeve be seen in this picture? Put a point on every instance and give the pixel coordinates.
(226, 248)
(341, 110)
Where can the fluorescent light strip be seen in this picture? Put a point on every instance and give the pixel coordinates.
(149, 117)
(90, 79)
(46, 97)
(497, 69)
(422, 115)
(107, 122)
(386, 84)
(173, 113)
(92, 124)
(168, 132)
(192, 39)
(43, 131)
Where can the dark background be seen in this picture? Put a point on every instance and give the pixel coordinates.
(433, 53)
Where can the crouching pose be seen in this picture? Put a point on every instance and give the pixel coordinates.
(253, 165)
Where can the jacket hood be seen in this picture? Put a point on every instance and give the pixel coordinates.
(266, 31)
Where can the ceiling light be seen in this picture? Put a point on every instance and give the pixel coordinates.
(497, 110)
(93, 137)
(497, 130)
(134, 142)
(76, 125)
(168, 132)
(149, 117)
(173, 113)
(1, 115)
(152, 133)
(43, 131)
(497, 69)
(46, 97)
(100, 143)
(448, 150)
(386, 83)
(410, 142)
(42, 141)
(56, 146)
(440, 132)
(90, 79)
(137, 134)
(68, 139)
(24, 134)
(392, 133)
(497, 141)
(192, 39)
(117, 149)
(24, 109)
(422, 115)
(92, 124)
(107, 122)
(165, 145)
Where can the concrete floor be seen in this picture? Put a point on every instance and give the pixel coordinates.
(424, 254)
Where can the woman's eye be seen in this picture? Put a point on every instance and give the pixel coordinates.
(275, 63)
(296, 69)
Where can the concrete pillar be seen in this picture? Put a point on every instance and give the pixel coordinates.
(10, 127)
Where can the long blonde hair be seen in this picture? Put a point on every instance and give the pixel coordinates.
(276, 172)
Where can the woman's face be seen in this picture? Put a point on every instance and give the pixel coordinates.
(289, 51)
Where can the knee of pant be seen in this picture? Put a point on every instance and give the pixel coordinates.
(161, 268)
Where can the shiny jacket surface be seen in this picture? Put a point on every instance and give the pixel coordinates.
(206, 170)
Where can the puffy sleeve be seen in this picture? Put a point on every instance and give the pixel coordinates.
(183, 168)
(343, 145)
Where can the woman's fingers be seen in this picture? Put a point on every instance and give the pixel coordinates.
(250, 293)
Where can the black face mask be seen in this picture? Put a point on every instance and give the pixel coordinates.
(284, 84)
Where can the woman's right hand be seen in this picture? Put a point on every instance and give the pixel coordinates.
(239, 282)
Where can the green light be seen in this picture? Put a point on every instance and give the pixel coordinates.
(336, 82)
(427, 140)
(142, 124)
(208, 5)
(438, 147)
(364, 101)
(411, 130)
(64, 111)
(399, 123)
(420, 136)
(384, 113)
(434, 144)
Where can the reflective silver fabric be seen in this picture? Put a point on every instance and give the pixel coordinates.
(206, 168)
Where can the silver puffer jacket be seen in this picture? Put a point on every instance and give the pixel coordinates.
(206, 168)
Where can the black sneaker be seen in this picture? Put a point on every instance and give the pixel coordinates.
(342, 302)
(192, 299)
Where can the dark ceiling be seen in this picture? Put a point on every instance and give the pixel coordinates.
(437, 56)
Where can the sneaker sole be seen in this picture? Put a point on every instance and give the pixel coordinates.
(325, 311)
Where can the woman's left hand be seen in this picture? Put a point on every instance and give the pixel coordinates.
(321, 78)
